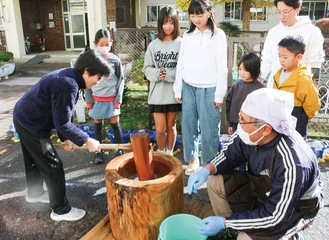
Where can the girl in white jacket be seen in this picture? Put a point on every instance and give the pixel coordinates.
(201, 83)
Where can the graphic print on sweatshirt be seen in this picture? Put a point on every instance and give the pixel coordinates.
(165, 59)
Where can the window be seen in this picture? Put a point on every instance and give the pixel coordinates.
(233, 12)
(316, 10)
(152, 13)
(182, 15)
(258, 14)
(74, 5)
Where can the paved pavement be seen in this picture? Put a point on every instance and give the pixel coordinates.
(85, 181)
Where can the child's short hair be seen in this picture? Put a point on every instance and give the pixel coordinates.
(102, 33)
(251, 63)
(294, 44)
(94, 62)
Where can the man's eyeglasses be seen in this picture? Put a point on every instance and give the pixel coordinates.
(241, 120)
(284, 12)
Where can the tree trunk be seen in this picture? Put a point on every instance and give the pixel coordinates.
(246, 4)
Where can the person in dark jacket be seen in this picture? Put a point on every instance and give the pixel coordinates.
(281, 191)
(50, 105)
(249, 70)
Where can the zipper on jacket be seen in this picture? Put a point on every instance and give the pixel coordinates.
(201, 39)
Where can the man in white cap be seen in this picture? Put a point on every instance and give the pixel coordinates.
(280, 194)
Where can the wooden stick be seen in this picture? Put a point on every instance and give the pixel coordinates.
(103, 146)
(140, 143)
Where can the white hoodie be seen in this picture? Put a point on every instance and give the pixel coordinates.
(313, 56)
(202, 62)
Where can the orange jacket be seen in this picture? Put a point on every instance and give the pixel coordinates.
(301, 85)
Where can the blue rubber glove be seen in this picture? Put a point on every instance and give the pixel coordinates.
(197, 179)
(211, 225)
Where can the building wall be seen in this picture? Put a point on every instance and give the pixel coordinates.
(219, 14)
(125, 17)
(121, 13)
(3, 45)
(111, 14)
(30, 11)
(54, 37)
(35, 20)
(110, 10)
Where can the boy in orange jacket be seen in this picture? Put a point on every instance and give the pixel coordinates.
(293, 77)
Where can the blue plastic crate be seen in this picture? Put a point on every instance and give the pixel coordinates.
(125, 135)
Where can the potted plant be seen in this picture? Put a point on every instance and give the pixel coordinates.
(7, 64)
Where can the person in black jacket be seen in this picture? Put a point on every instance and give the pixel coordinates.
(249, 70)
(280, 193)
(47, 105)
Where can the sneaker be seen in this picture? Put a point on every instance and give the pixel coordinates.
(44, 198)
(192, 167)
(169, 152)
(73, 215)
(99, 157)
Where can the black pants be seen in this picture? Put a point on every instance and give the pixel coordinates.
(42, 163)
(243, 195)
(302, 120)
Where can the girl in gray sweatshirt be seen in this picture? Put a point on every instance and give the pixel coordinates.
(160, 69)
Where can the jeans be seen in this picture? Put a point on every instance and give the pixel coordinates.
(42, 163)
(199, 116)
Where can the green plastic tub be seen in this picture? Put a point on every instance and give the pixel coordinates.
(180, 227)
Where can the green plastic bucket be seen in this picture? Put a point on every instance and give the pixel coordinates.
(180, 227)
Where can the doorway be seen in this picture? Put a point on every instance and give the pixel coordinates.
(75, 20)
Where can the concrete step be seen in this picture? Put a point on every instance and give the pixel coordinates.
(54, 56)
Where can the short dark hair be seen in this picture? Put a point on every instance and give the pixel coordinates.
(251, 63)
(94, 63)
(291, 3)
(102, 33)
(294, 44)
(165, 14)
(201, 7)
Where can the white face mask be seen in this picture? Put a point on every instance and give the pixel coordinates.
(245, 137)
(103, 50)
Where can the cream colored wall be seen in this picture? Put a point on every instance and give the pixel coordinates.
(13, 27)
(219, 12)
(272, 20)
(96, 17)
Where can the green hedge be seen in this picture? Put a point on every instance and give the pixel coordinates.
(6, 56)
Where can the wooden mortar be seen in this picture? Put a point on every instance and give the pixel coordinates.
(137, 208)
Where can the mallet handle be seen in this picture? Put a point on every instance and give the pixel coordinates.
(103, 146)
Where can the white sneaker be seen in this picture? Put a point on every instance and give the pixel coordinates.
(73, 215)
(169, 152)
(44, 198)
(192, 167)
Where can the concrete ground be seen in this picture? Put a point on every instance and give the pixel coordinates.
(85, 180)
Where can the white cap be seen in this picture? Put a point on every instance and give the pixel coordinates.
(272, 106)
